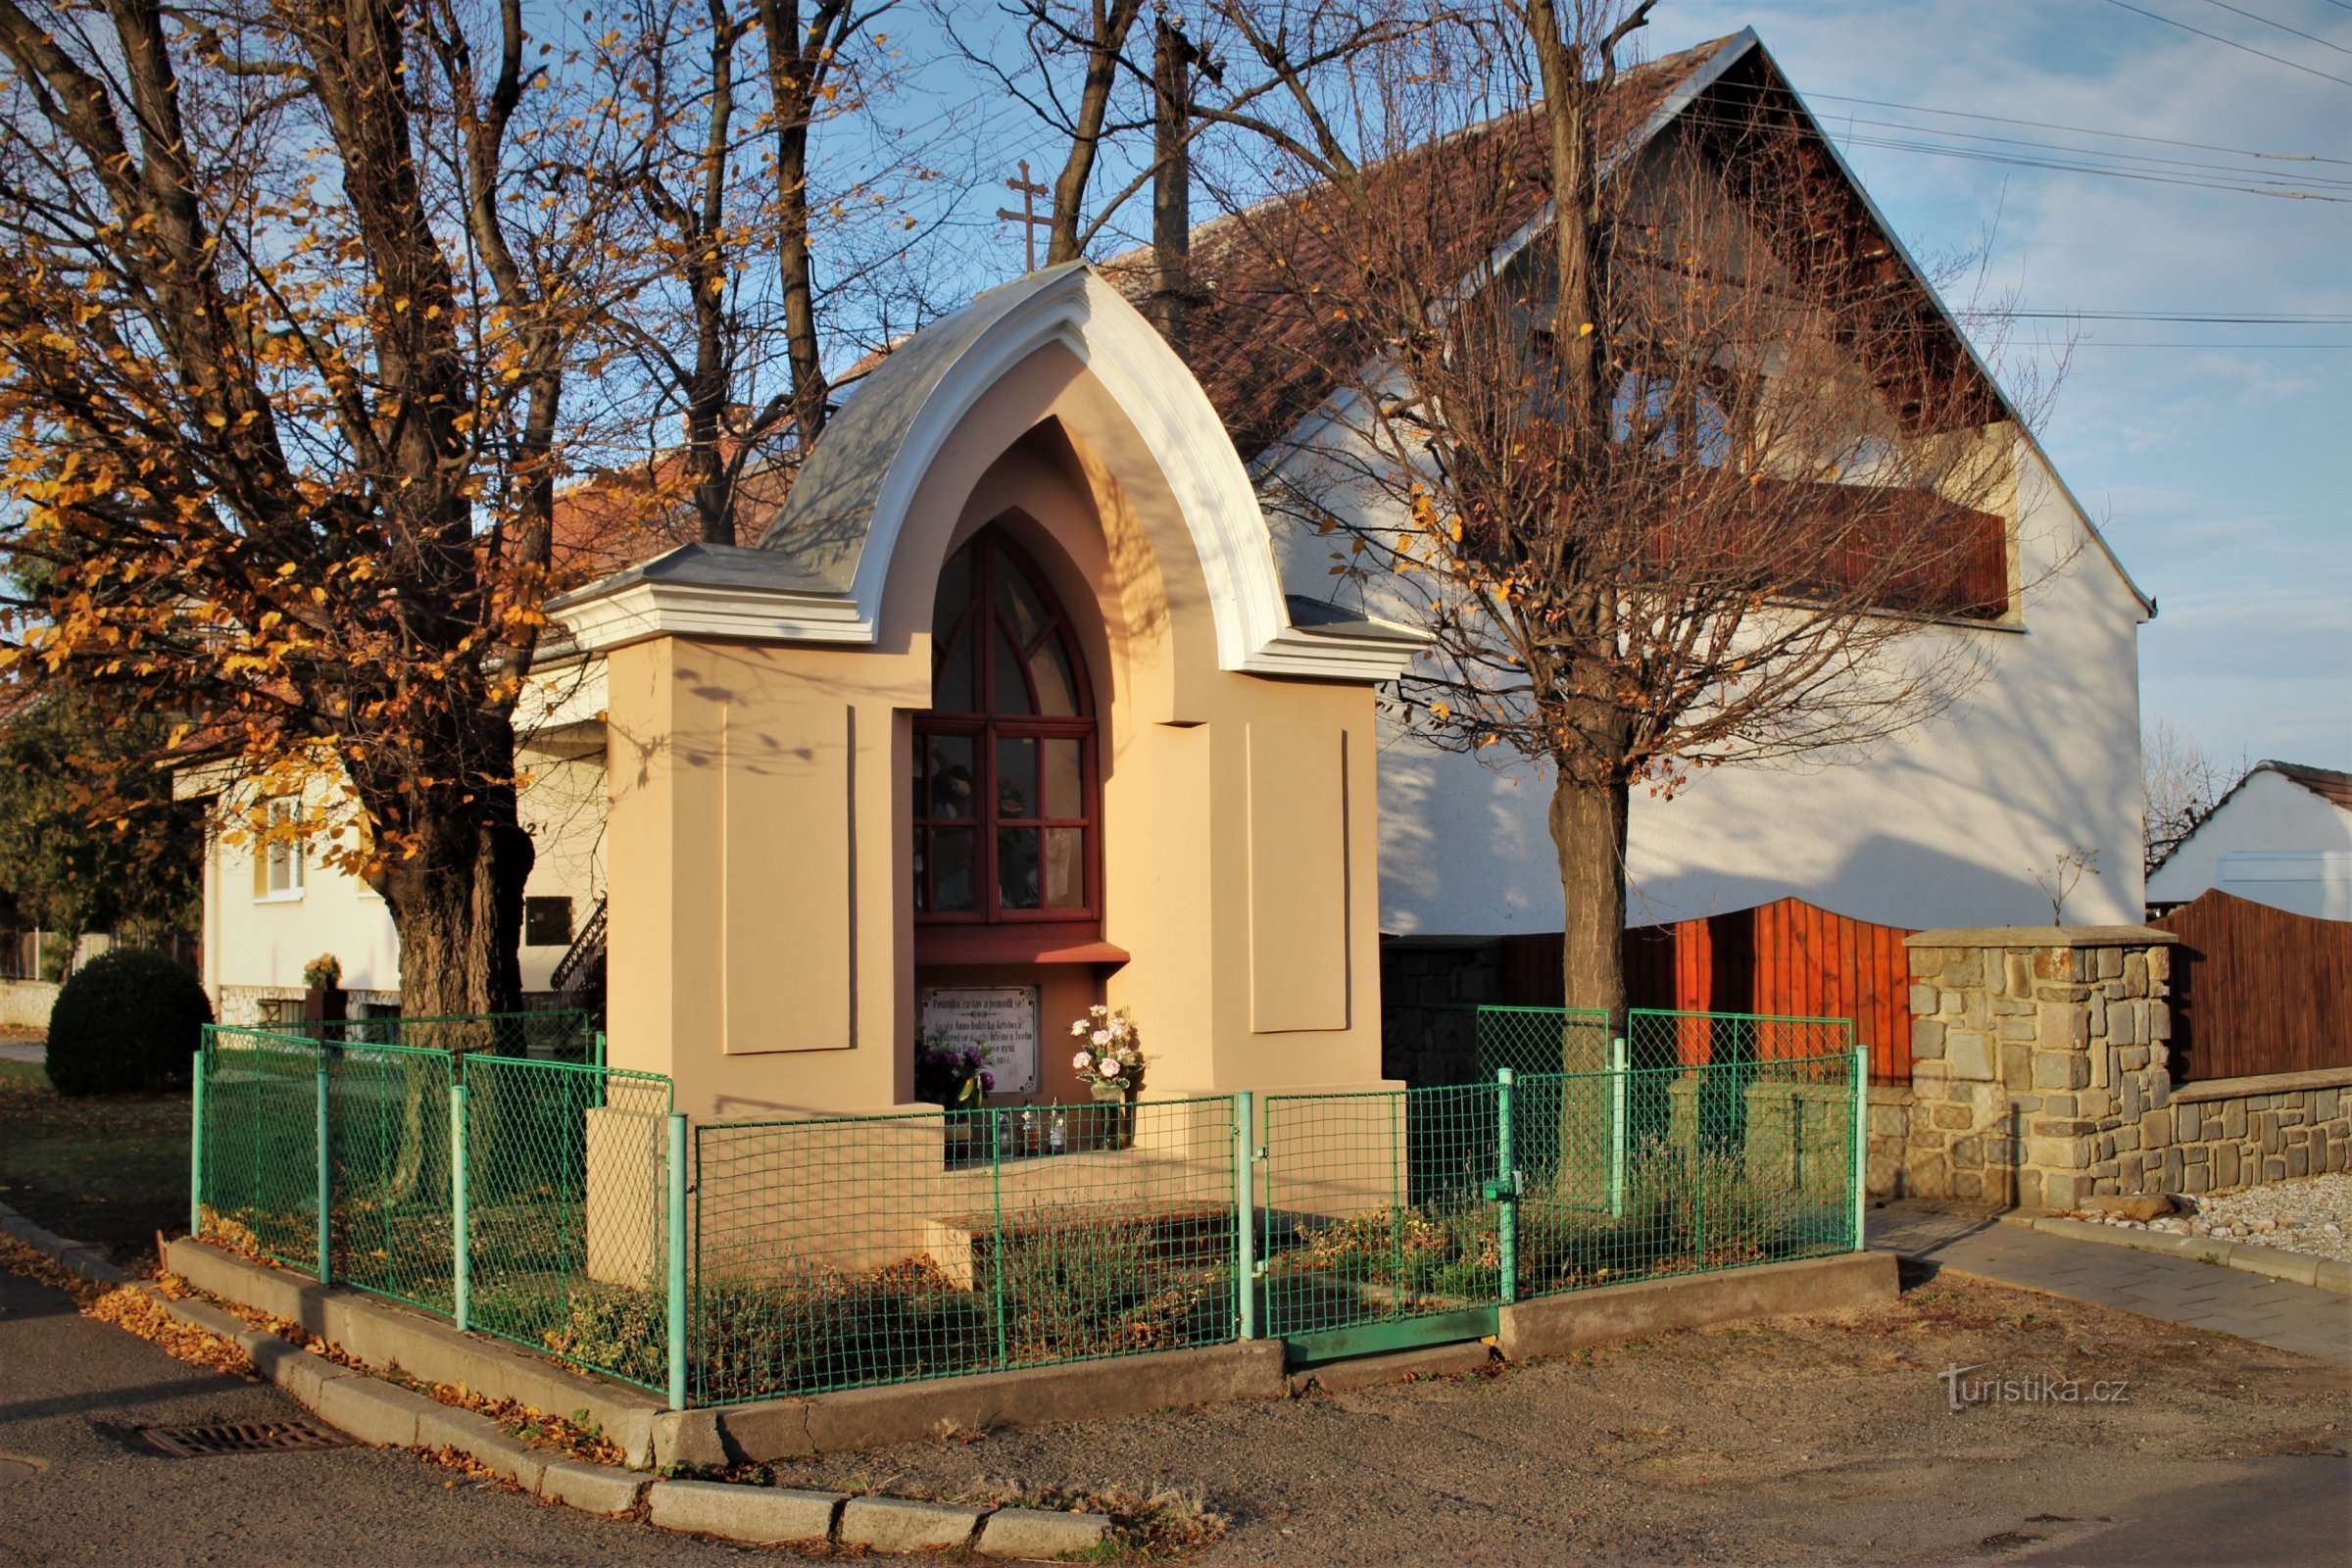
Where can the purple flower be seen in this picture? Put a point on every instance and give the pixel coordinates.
(987, 1083)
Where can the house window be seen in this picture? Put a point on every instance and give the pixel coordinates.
(1006, 820)
(278, 866)
(547, 922)
(1670, 419)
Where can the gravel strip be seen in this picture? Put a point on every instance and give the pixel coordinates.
(2312, 1216)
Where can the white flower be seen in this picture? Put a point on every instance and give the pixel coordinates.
(1107, 1067)
(1097, 1011)
(1078, 1027)
(1083, 1060)
(1101, 1037)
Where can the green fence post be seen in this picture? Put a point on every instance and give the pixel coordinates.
(1244, 1209)
(196, 1147)
(1506, 1221)
(996, 1235)
(1617, 1130)
(460, 1211)
(600, 1048)
(677, 1260)
(1861, 1072)
(318, 1142)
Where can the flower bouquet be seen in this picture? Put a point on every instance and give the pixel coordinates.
(955, 1080)
(1110, 1061)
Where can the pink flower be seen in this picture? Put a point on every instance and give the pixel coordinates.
(1107, 1067)
(1083, 1060)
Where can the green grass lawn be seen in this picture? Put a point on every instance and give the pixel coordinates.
(111, 1171)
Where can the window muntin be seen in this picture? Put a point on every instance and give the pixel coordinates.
(1006, 801)
(281, 857)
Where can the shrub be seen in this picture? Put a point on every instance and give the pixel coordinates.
(129, 1021)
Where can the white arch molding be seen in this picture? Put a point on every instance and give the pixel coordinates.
(819, 572)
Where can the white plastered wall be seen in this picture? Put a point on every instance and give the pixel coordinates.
(2269, 815)
(262, 944)
(1945, 826)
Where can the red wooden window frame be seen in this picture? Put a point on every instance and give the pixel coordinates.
(993, 552)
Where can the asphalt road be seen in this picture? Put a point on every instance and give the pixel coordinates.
(1783, 1446)
(75, 1392)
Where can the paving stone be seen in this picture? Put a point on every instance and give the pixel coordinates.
(901, 1524)
(1035, 1532)
(769, 1516)
(2180, 1289)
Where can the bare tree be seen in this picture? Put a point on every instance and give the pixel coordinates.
(1671, 453)
(727, 325)
(2179, 784)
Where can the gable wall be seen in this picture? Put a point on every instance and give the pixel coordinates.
(1944, 826)
(2269, 812)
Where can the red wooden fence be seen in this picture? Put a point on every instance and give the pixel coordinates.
(2257, 990)
(1787, 956)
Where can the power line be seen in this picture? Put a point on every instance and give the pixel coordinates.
(1973, 155)
(2310, 38)
(2232, 43)
(2093, 152)
(2105, 343)
(2248, 318)
(2085, 130)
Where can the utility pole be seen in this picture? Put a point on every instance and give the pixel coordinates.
(1173, 57)
(1029, 217)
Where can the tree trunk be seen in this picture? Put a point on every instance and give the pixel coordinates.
(1588, 831)
(1171, 187)
(458, 907)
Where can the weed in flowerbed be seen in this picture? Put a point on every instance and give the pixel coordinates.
(1045, 1293)
(1683, 1212)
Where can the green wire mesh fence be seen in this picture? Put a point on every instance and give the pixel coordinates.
(545, 1201)
(1649, 1172)
(1545, 1040)
(523, 1196)
(851, 1251)
(549, 1036)
(565, 1186)
(256, 1143)
(389, 1171)
(1379, 1207)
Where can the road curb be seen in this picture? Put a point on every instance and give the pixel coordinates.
(385, 1415)
(82, 1258)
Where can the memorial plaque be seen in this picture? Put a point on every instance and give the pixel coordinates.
(998, 1022)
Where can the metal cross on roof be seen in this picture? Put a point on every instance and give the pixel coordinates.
(1029, 217)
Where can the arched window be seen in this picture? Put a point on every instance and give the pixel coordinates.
(1006, 808)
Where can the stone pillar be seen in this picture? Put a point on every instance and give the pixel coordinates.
(2040, 1074)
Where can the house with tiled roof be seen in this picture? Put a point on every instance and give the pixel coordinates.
(2281, 836)
(1948, 825)
(1034, 527)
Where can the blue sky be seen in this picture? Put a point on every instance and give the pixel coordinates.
(2223, 475)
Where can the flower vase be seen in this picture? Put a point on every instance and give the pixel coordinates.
(1114, 1115)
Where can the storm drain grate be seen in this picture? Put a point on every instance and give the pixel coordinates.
(242, 1437)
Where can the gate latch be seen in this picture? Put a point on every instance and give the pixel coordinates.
(1505, 1189)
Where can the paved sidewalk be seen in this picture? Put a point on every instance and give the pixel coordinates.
(2289, 1317)
(37, 1050)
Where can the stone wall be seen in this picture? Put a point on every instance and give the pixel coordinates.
(1430, 989)
(2041, 1076)
(25, 1004)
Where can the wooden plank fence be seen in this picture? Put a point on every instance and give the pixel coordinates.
(2257, 990)
(1787, 956)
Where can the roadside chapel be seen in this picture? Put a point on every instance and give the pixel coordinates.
(1007, 715)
